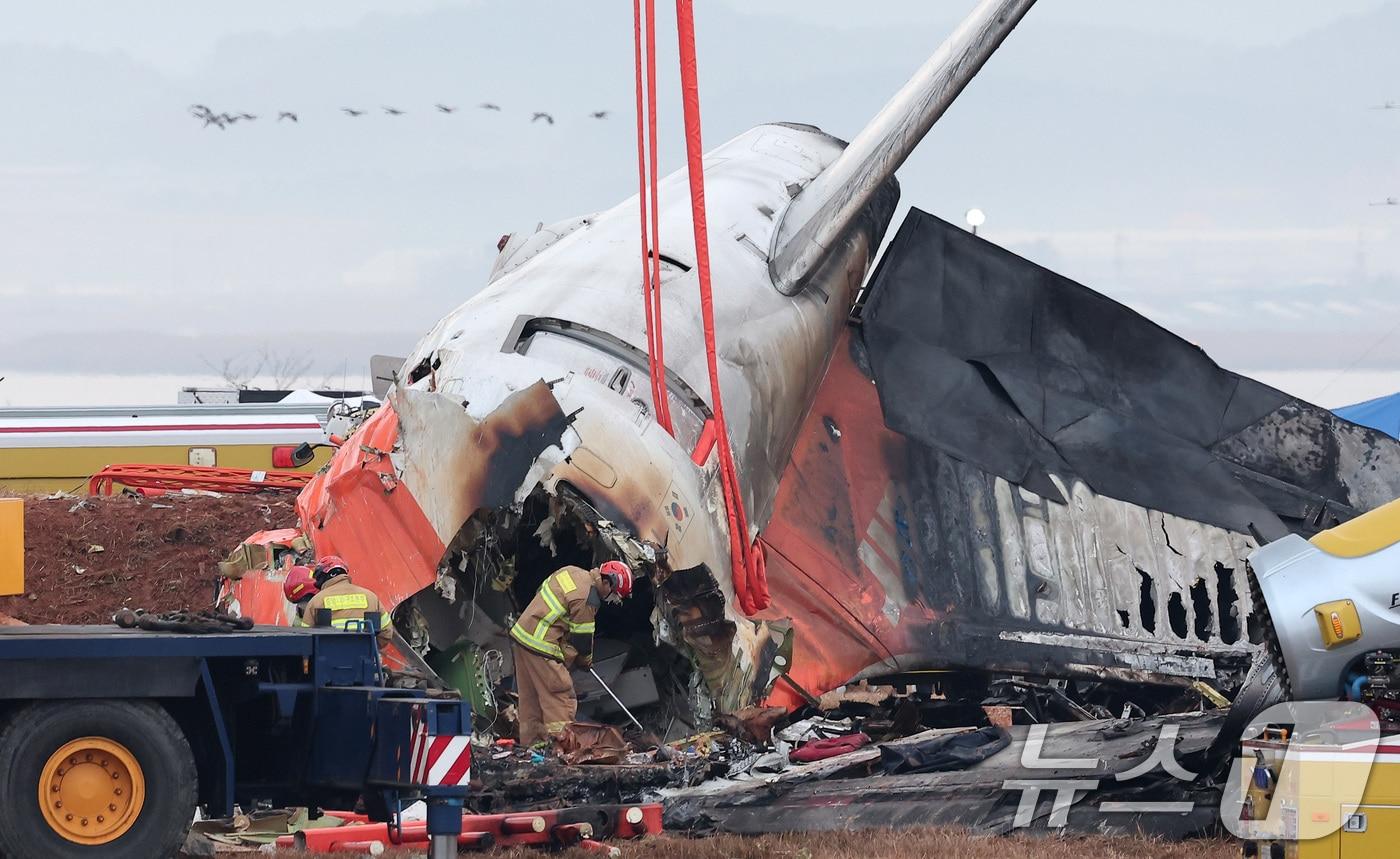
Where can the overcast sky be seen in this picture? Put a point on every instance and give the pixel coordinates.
(1209, 163)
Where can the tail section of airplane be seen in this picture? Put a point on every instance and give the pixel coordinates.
(822, 213)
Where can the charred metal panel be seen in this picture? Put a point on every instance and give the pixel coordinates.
(983, 545)
(1060, 487)
(394, 497)
(736, 676)
(1335, 469)
(891, 556)
(1027, 374)
(839, 794)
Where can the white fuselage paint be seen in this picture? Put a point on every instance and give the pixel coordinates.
(772, 348)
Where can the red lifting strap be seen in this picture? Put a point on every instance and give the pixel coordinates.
(647, 200)
(747, 559)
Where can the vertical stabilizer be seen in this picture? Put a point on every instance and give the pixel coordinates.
(819, 216)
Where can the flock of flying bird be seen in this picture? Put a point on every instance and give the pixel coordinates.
(223, 121)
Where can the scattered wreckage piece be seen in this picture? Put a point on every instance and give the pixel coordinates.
(516, 783)
(588, 743)
(1102, 777)
(562, 827)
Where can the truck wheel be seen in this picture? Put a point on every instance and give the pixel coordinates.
(90, 778)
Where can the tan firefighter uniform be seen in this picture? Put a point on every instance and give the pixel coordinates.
(347, 603)
(553, 632)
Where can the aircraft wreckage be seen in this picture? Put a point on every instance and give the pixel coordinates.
(957, 467)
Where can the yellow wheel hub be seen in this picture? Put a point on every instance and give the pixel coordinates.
(91, 790)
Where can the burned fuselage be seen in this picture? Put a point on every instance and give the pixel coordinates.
(609, 482)
(927, 501)
(1058, 487)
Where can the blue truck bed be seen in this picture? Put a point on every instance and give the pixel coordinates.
(286, 716)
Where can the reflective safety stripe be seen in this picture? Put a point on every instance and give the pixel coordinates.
(539, 645)
(583, 628)
(340, 602)
(556, 607)
(566, 582)
(556, 611)
(537, 639)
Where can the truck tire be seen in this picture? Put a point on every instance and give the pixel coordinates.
(124, 769)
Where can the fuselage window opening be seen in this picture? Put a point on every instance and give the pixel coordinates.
(613, 363)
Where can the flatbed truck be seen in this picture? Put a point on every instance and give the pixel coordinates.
(111, 738)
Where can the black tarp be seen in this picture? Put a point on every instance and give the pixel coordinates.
(943, 753)
(1023, 373)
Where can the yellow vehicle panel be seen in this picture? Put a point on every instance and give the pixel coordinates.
(1366, 829)
(1367, 533)
(42, 470)
(1374, 833)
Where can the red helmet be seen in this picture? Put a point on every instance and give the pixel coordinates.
(328, 566)
(299, 584)
(620, 575)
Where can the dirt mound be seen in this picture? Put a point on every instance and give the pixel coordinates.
(85, 558)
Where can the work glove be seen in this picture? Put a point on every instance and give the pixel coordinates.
(583, 662)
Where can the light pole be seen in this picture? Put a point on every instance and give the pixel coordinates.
(975, 218)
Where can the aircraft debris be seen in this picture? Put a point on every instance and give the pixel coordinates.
(1000, 497)
(588, 743)
(1056, 778)
(1072, 493)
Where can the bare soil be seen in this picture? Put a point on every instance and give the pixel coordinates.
(86, 558)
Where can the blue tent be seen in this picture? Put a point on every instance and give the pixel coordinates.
(1382, 413)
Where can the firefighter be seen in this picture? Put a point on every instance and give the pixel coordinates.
(554, 634)
(299, 587)
(342, 604)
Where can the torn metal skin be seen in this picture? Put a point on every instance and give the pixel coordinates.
(1014, 583)
(917, 546)
(396, 494)
(1095, 761)
(431, 507)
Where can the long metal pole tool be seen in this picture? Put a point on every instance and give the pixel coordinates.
(609, 690)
